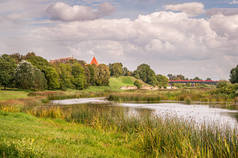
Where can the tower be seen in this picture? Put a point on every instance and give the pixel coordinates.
(94, 61)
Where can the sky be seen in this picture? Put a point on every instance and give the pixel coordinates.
(193, 38)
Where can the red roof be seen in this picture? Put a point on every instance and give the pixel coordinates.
(94, 61)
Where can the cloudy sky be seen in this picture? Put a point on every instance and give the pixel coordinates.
(194, 38)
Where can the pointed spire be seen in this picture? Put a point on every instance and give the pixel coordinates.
(94, 61)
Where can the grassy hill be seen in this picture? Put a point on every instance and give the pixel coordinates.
(117, 83)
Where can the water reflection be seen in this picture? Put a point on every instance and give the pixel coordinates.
(200, 114)
(80, 101)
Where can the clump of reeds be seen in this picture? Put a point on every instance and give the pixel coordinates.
(134, 97)
(46, 111)
(77, 95)
(9, 108)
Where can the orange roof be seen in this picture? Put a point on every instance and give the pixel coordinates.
(94, 61)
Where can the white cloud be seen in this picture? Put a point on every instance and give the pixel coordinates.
(224, 11)
(192, 8)
(170, 42)
(234, 2)
(65, 12)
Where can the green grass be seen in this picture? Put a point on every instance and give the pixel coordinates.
(117, 83)
(12, 94)
(107, 131)
(23, 135)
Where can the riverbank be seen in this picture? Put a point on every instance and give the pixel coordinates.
(23, 135)
(104, 131)
(188, 96)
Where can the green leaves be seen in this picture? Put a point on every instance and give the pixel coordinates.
(234, 75)
(7, 70)
(29, 77)
(146, 74)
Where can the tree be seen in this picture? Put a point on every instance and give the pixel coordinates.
(52, 77)
(197, 78)
(7, 70)
(116, 69)
(18, 57)
(176, 77)
(29, 77)
(126, 72)
(162, 81)
(66, 78)
(208, 79)
(234, 75)
(50, 73)
(103, 75)
(79, 78)
(92, 76)
(146, 74)
(138, 84)
(37, 61)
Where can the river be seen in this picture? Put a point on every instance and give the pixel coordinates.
(200, 114)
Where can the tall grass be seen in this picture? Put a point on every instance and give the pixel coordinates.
(151, 136)
(134, 97)
(78, 95)
(156, 136)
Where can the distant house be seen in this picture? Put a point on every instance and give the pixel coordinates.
(94, 61)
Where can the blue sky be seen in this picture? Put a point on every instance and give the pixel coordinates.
(193, 38)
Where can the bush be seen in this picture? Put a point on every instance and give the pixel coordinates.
(138, 84)
(188, 100)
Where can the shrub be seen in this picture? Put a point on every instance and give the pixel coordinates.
(138, 84)
(188, 100)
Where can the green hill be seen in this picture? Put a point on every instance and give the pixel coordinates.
(118, 82)
(115, 84)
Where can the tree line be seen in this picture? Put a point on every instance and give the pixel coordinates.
(34, 72)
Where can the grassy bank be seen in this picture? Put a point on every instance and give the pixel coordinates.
(180, 95)
(22, 135)
(13, 94)
(107, 131)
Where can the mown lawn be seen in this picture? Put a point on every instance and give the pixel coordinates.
(23, 135)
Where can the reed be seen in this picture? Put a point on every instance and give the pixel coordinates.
(149, 135)
(134, 97)
(157, 137)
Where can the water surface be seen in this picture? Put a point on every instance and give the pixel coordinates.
(200, 114)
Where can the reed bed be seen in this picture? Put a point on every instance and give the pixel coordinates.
(151, 136)
(77, 95)
(184, 95)
(156, 137)
(134, 97)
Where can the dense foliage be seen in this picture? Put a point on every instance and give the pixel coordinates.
(29, 77)
(36, 73)
(8, 68)
(138, 84)
(234, 75)
(146, 74)
(226, 89)
(116, 69)
(103, 75)
(162, 81)
(76, 74)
